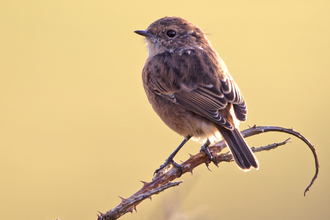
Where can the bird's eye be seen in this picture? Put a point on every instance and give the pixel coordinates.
(171, 33)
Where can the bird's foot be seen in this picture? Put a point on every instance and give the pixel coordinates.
(205, 149)
(166, 164)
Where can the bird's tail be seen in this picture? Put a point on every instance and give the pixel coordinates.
(243, 155)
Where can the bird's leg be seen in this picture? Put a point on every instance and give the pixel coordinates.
(170, 160)
(205, 149)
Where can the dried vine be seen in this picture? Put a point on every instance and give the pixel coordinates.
(163, 179)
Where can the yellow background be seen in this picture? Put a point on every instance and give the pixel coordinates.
(76, 130)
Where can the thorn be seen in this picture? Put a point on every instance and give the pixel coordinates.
(135, 209)
(130, 209)
(123, 200)
(192, 173)
(144, 183)
(150, 198)
(100, 216)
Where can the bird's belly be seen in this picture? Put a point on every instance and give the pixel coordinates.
(185, 122)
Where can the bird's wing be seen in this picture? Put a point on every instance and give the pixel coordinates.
(205, 98)
(207, 101)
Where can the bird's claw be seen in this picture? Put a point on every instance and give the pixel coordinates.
(168, 162)
(205, 149)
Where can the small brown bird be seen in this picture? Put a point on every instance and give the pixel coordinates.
(190, 88)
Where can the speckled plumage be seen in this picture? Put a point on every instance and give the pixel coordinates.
(190, 88)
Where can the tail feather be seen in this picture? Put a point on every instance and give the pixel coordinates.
(243, 155)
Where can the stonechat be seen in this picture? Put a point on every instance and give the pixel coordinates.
(190, 88)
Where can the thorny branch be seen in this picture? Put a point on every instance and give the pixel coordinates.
(163, 180)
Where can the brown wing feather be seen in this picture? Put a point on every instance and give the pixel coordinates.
(203, 98)
(202, 102)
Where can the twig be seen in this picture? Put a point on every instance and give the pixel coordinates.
(261, 129)
(163, 180)
(127, 205)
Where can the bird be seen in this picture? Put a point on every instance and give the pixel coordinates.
(190, 88)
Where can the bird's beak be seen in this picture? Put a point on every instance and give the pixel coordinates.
(143, 33)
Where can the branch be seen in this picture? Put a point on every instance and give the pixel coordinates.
(262, 129)
(127, 205)
(163, 179)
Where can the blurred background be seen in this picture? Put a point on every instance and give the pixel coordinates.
(77, 131)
